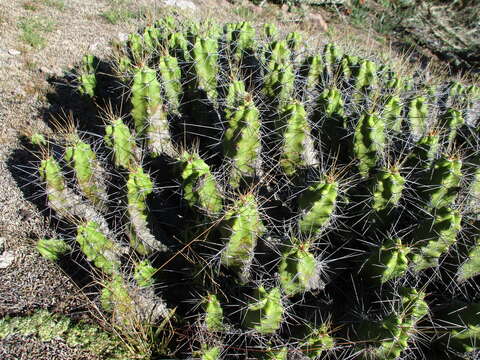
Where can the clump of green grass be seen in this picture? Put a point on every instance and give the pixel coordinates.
(33, 5)
(120, 11)
(58, 4)
(244, 12)
(32, 30)
(30, 5)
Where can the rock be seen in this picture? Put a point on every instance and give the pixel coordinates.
(6, 259)
(122, 37)
(2, 244)
(182, 4)
(14, 52)
(318, 21)
(45, 70)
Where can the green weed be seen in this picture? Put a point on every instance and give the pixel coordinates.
(32, 30)
(120, 11)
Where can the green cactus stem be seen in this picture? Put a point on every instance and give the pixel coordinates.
(279, 83)
(148, 112)
(136, 47)
(205, 57)
(434, 238)
(391, 336)
(450, 122)
(199, 185)
(144, 273)
(87, 79)
(299, 271)
(119, 138)
(139, 186)
(317, 205)
(242, 227)
(52, 249)
(171, 74)
(210, 353)
(387, 189)
(131, 306)
(440, 188)
(88, 171)
(330, 114)
(152, 38)
(464, 322)
(241, 142)
(388, 261)
(317, 342)
(392, 111)
(424, 151)
(474, 190)
(103, 252)
(241, 37)
(365, 76)
(417, 116)
(369, 142)
(265, 314)
(236, 96)
(63, 200)
(297, 145)
(213, 313)
(332, 55)
(471, 267)
(311, 72)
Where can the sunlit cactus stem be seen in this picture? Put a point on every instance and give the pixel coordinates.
(388, 338)
(171, 76)
(317, 342)
(299, 270)
(265, 314)
(122, 142)
(387, 189)
(199, 185)
(388, 261)
(148, 112)
(205, 61)
(297, 148)
(87, 78)
(80, 156)
(139, 186)
(434, 238)
(242, 228)
(369, 142)
(440, 187)
(471, 267)
(52, 249)
(417, 116)
(317, 206)
(241, 142)
(103, 252)
(213, 313)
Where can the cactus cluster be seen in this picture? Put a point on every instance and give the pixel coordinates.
(273, 201)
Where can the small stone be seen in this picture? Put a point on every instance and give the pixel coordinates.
(14, 52)
(2, 244)
(45, 70)
(182, 4)
(122, 37)
(6, 259)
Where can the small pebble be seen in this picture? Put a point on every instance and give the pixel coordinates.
(6, 259)
(14, 52)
